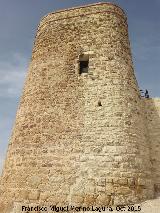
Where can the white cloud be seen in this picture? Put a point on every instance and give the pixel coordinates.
(12, 74)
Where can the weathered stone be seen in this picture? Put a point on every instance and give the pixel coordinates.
(123, 190)
(34, 181)
(90, 199)
(123, 181)
(83, 134)
(77, 199)
(33, 195)
(104, 200)
(44, 196)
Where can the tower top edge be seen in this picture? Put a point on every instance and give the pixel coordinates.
(84, 6)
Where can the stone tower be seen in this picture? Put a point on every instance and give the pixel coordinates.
(79, 136)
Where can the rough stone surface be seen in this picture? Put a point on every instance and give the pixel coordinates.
(86, 139)
(152, 114)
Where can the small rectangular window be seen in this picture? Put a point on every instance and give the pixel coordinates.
(83, 67)
(83, 64)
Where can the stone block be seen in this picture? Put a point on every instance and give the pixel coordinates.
(33, 195)
(104, 200)
(89, 199)
(77, 199)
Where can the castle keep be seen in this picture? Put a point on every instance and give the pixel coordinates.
(83, 134)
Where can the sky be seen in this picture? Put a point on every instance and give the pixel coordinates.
(18, 23)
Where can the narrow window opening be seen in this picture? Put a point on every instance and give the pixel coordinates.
(99, 103)
(83, 64)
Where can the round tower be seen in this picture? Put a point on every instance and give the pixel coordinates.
(79, 136)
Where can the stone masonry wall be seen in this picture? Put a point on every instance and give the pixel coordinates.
(64, 146)
(152, 114)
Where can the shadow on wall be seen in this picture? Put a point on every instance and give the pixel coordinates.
(152, 111)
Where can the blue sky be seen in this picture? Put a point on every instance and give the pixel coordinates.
(18, 24)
